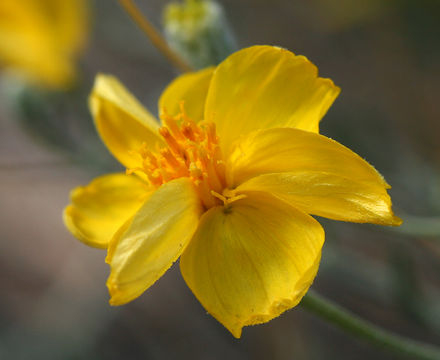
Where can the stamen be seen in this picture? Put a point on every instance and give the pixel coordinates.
(210, 131)
(172, 143)
(219, 196)
(188, 132)
(166, 153)
(182, 110)
(228, 196)
(155, 178)
(149, 156)
(143, 150)
(205, 195)
(192, 150)
(195, 172)
(171, 123)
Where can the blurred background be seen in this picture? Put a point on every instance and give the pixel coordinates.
(384, 55)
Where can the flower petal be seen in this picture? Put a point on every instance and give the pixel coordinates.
(102, 207)
(191, 88)
(41, 39)
(149, 244)
(314, 173)
(291, 150)
(250, 262)
(264, 86)
(328, 195)
(122, 122)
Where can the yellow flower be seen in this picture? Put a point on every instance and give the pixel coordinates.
(39, 39)
(227, 184)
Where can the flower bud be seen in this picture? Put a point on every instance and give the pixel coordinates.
(198, 31)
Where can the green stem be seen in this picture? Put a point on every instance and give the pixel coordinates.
(365, 330)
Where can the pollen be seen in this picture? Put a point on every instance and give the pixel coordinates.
(191, 150)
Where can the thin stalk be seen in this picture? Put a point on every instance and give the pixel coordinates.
(154, 35)
(367, 331)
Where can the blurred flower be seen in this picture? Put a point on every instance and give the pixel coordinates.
(199, 32)
(40, 39)
(227, 183)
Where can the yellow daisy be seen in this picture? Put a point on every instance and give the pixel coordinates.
(227, 183)
(40, 39)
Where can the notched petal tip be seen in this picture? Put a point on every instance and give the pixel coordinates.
(275, 309)
(388, 217)
(315, 71)
(330, 84)
(116, 296)
(396, 221)
(279, 306)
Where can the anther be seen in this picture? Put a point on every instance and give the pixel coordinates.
(172, 143)
(188, 132)
(166, 153)
(171, 123)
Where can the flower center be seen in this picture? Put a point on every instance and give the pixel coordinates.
(192, 150)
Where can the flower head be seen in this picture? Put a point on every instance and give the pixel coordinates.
(228, 182)
(39, 39)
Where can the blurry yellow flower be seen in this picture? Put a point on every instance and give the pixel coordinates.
(227, 183)
(40, 39)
